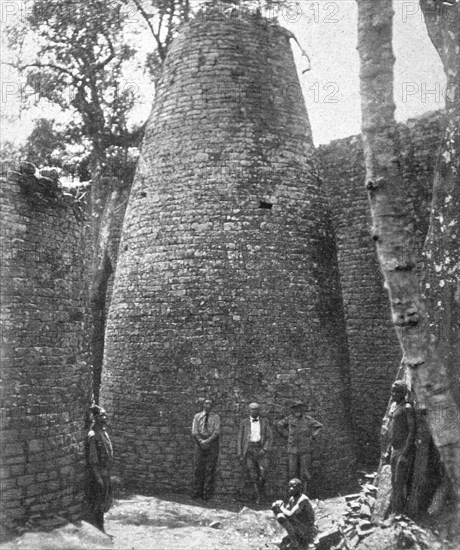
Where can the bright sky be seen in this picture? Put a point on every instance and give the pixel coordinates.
(327, 31)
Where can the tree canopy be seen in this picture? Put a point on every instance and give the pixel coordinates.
(81, 54)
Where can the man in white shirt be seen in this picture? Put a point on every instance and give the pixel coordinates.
(254, 442)
(205, 431)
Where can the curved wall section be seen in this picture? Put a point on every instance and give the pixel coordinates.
(226, 283)
(45, 367)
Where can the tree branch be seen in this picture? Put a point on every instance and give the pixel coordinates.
(125, 139)
(156, 36)
(109, 58)
(76, 80)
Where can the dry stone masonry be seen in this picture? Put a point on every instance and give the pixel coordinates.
(45, 369)
(241, 274)
(227, 282)
(373, 346)
(372, 343)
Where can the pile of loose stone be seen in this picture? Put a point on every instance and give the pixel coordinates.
(354, 523)
(359, 521)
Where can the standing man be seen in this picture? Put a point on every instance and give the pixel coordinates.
(296, 516)
(299, 429)
(254, 441)
(99, 460)
(205, 431)
(400, 452)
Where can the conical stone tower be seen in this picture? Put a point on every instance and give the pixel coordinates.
(226, 283)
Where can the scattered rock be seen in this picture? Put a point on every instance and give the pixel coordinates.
(369, 488)
(365, 511)
(327, 540)
(355, 496)
(353, 541)
(216, 525)
(371, 501)
(27, 168)
(365, 528)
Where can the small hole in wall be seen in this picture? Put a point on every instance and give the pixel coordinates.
(265, 205)
(143, 194)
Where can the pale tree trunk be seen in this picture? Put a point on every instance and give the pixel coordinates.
(107, 221)
(442, 258)
(105, 196)
(102, 271)
(393, 233)
(100, 267)
(109, 198)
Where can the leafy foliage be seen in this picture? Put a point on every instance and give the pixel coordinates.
(45, 145)
(81, 52)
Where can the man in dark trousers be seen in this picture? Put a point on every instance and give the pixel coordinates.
(300, 430)
(296, 516)
(99, 460)
(254, 441)
(400, 453)
(206, 432)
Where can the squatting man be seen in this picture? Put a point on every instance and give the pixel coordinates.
(296, 516)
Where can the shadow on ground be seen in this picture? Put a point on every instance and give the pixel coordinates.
(172, 522)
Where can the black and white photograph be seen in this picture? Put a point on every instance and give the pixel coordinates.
(229, 274)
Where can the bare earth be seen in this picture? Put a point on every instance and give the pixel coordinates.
(173, 522)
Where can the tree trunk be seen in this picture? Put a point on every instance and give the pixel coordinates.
(109, 198)
(98, 306)
(441, 282)
(99, 264)
(442, 258)
(393, 233)
(108, 223)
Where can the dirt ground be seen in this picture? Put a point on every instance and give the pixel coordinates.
(174, 522)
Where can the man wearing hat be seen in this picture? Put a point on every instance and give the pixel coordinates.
(254, 441)
(299, 429)
(99, 459)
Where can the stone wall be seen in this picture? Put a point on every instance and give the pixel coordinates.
(373, 346)
(238, 278)
(44, 364)
(227, 282)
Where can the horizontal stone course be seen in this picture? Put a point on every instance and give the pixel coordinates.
(373, 346)
(45, 363)
(213, 294)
